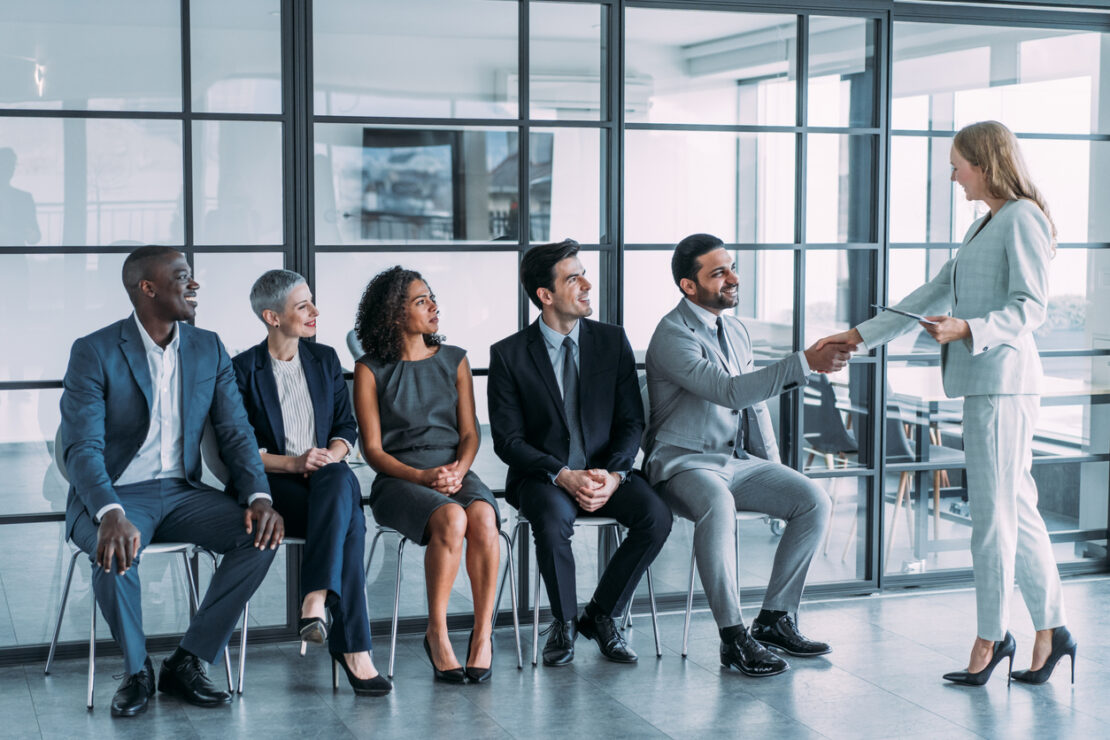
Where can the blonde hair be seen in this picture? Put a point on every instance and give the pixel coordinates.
(993, 148)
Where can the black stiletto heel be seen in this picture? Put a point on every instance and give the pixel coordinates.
(314, 630)
(379, 685)
(452, 675)
(1004, 649)
(1062, 644)
(478, 675)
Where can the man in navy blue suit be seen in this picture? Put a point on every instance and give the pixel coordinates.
(137, 395)
(566, 416)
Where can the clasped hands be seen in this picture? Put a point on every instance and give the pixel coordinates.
(311, 460)
(447, 479)
(117, 537)
(590, 489)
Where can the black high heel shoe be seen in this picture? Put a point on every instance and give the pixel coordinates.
(1062, 644)
(379, 685)
(314, 630)
(478, 675)
(452, 675)
(1004, 649)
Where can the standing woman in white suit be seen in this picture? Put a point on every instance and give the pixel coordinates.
(996, 289)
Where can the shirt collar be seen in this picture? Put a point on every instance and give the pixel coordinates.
(706, 316)
(553, 338)
(149, 344)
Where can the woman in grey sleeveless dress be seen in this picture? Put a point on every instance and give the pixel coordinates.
(414, 398)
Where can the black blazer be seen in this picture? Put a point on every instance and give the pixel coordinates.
(331, 403)
(526, 408)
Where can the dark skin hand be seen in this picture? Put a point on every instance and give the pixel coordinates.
(116, 537)
(270, 529)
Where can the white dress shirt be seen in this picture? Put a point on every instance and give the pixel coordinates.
(297, 415)
(162, 454)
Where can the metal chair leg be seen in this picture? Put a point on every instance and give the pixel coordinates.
(62, 610)
(243, 646)
(92, 655)
(373, 546)
(512, 598)
(627, 621)
(689, 604)
(511, 539)
(396, 605)
(536, 612)
(654, 616)
(194, 607)
(334, 675)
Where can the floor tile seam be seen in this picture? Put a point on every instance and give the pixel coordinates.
(914, 702)
(31, 696)
(493, 719)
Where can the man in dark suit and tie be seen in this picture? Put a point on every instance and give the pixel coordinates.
(566, 417)
(137, 396)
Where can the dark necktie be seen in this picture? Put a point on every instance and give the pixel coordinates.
(743, 416)
(576, 459)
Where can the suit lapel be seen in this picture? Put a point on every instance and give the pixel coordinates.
(131, 344)
(314, 377)
(187, 362)
(537, 349)
(266, 387)
(702, 332)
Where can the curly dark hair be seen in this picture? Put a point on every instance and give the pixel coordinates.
(380, 320)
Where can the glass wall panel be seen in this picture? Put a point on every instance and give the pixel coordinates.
(237, 182)
(28, 423)
(60, 296)
(565, 60)
(843, 554)
(435, 58)
(841, 71)
(739, 187)
(236, 56)
(837, 285)
(405, 185)
(840, 188)
(476, 292)
(693, 66)
(119, 55)
(223, 301)
(907, 270)
(1039, 80)
(765, 306)
(836, 420)
(567, 193)
(91, 182)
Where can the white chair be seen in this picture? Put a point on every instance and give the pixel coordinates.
(598, 522)
(741, 516)
(185, 549)
(382, 530)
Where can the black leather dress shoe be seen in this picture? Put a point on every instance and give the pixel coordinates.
(749, 657)
(559, 648)
(784, 635)
(134, 692)
(187, 679)
(604, 631)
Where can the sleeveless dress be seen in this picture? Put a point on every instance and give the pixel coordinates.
(418, 407)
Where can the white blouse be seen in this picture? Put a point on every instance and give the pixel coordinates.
(297, 414)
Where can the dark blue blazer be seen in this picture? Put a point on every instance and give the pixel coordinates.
(106, 405)
(331, 402)
(526, 412)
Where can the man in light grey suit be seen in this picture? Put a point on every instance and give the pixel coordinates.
(710, 450)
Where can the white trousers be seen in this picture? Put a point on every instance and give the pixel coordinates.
(1008, 534)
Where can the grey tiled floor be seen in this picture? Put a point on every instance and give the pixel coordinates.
(882, 680)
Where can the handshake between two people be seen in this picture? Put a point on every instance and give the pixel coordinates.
(832, 353)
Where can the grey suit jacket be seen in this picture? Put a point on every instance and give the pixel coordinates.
(695, 402)
(998, 283)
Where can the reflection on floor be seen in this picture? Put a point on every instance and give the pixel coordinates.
(882, 680)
